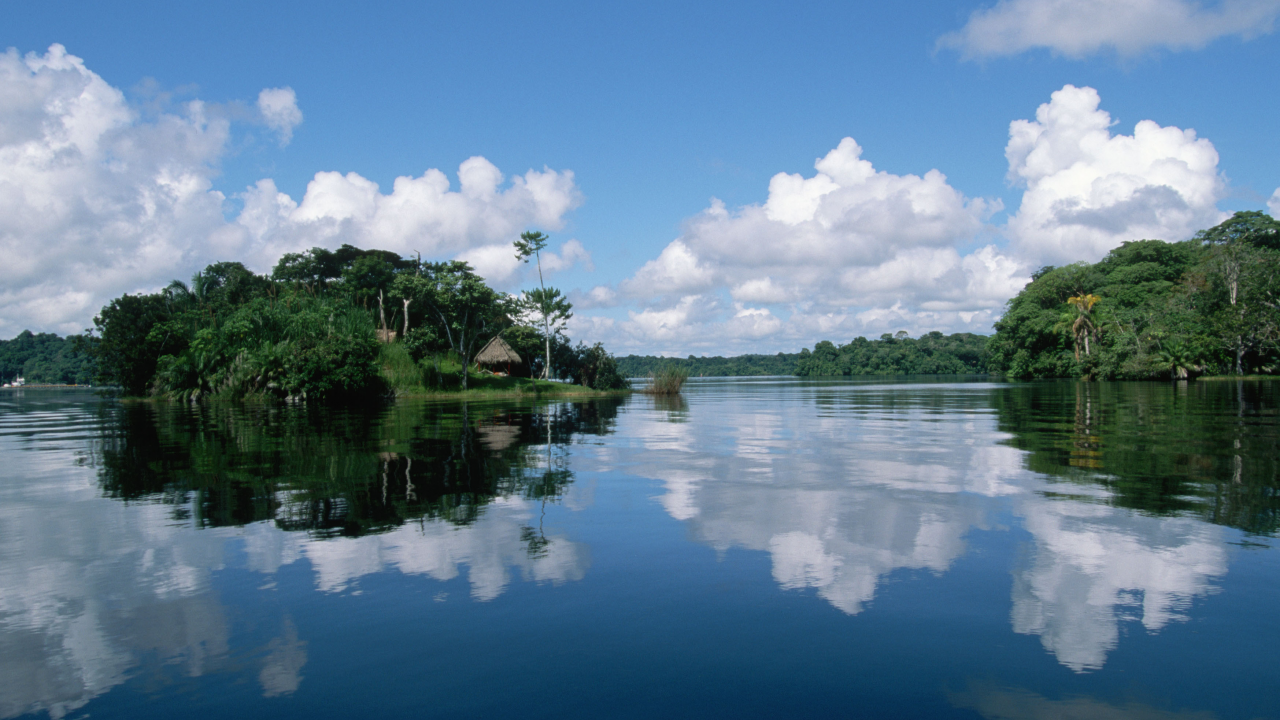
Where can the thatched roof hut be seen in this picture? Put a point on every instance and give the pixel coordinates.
(498, 354)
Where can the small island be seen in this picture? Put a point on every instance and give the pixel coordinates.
(347, 324)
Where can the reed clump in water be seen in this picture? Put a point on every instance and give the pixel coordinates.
(667, 380)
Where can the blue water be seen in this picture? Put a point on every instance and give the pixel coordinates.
(754, 548)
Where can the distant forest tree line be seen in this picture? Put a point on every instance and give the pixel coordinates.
(46, 359)
(737, 366)
(933, 353)
(1149, 310)
(898, 354)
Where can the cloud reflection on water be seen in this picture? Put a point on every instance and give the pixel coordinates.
(490, 547)
(844, 491)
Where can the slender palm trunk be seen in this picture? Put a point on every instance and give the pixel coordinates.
(546, 327)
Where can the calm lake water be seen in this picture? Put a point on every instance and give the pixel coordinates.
(755, 548)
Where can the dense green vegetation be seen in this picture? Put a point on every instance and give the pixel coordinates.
(1152, 309)
(45, 358)
(933, 353)
(738, 366)
(311, 329)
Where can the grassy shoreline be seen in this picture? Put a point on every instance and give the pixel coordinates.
(488, 386)
(406, 378)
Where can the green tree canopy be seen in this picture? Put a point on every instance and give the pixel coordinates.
(1209, 304)
(465, 310)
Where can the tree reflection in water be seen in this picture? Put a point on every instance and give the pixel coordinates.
(1205, 449)
(418, 487)
(332, 472)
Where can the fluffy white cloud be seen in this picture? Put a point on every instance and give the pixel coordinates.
(96, 200)
(677, 269)
(1087, 190)
(799, 266)
(279, 108)
(91, 199)
(851, 250)
(1077, 28)
(421, 214)
(600, 296)
(1273, 205)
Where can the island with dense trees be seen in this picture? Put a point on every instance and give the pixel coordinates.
(341, 323)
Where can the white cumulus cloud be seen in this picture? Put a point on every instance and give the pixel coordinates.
(279, 108)
(820, 249)
(1087, 190)
(1076, 28)
(97, 200)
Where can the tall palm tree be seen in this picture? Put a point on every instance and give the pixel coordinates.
(1082, 326)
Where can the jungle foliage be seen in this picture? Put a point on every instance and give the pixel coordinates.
(311, 329)
(1152, 309)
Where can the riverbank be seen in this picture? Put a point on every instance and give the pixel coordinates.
(43, 386)
(485, 387)
(441, 377)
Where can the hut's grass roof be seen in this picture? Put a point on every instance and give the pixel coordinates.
(497, 352)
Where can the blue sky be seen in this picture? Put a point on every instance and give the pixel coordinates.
(654, 110)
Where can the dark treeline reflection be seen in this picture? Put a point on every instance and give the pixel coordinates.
(1209, 449)
(342, 471)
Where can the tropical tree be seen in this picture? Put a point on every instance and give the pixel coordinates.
(595, 368)
(311, 269)
(1242, 259)
(131, 337)
(1082, 323)
(462, 306)
(547, 304)
(554, 309)
(1178, 358)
